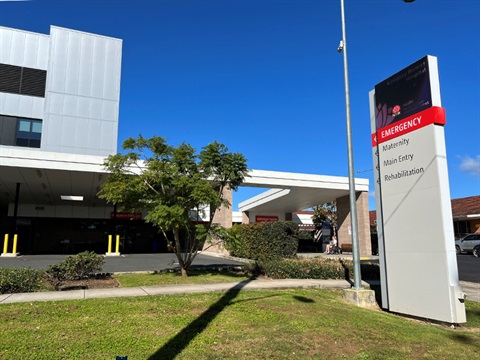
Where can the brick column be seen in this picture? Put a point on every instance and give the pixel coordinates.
(245, 217)
(344, 222)
(222, 217)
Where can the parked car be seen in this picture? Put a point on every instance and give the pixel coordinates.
(476, 251)
(467, 244)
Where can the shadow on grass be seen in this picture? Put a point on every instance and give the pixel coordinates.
(303, 299)
(466, 339)
(179, 342)
(202, 270)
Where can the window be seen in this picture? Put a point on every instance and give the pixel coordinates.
(461, 228)
(29, 133)
(22, 80)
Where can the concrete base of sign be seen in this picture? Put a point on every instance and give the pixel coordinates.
(10, 255)
(112, 254)
(362, 298)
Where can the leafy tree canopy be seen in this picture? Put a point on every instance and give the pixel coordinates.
(169, 182)
(326, 213)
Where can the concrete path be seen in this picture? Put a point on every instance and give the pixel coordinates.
(156, 262)
(174, 289)
(471, 289)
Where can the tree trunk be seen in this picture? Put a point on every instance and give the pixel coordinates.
(178, 252)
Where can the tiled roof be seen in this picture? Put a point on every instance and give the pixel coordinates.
(460, 208)
(466, 206)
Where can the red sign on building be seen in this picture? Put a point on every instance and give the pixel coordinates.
(127, 216)
(264, 218)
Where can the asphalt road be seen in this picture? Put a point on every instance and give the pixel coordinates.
(123, 263)
(468, 268)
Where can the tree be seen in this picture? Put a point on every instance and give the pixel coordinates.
(326, 213)
(169, 182)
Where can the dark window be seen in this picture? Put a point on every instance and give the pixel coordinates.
(29, 133)
(461, 228)
(33, 82)
(22, 80)
(10, 78)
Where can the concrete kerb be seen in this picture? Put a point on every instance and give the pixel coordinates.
(173, 289)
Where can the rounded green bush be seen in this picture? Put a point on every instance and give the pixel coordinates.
(263, 241)
(20, 280)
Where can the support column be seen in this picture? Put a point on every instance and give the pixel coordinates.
(245, 217)
(15, 208)
(344, 222)
(222, 217)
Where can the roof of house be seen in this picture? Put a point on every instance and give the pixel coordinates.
(466, 206)
(460, 208)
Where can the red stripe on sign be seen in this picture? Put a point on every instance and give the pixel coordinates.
(433, 115)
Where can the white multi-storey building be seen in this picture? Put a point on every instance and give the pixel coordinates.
(59, 92)
(59, 106)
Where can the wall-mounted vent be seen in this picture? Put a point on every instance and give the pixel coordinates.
(22, 80)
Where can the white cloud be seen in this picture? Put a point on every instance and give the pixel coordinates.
(371, 194)
(470, 165)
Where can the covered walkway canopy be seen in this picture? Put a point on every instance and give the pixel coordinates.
(43, 178)
(290, 192)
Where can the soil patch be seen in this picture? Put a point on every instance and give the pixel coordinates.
(92, 283)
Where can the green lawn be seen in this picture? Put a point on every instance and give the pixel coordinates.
(194, 277)
(275, 324)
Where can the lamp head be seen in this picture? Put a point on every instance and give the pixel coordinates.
(341, 46)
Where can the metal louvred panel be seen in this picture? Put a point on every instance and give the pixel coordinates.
(33, 82)
(10, 78)
(22, 80)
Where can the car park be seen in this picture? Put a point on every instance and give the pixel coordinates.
(467, 244)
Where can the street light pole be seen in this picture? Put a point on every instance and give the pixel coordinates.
(357, 284)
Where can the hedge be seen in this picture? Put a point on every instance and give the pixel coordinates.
(20, 280)
(316, 268)
(269, 240)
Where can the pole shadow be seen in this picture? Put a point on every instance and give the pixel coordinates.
(179, 342)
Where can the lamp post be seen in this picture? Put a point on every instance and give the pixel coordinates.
(357, 283)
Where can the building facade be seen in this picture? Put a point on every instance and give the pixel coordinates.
(59, 92)
(59, 117)
(59, 111)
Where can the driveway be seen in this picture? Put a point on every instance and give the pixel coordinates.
(123, 263)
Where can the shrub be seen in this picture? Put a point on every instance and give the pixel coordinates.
(233, 241)
(20, 280)
(76, 267)
(317, 268)
(262, 241)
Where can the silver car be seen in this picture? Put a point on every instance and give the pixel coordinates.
(467, 244)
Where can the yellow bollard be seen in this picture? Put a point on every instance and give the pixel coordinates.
(109, 244)
(5, 245)
(117, 246)
(14, 251)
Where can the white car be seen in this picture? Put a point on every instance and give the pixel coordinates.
(467, 244)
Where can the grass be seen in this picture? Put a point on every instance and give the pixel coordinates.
(274, 324)
(165, 278)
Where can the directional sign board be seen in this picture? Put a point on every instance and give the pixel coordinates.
(418, 262)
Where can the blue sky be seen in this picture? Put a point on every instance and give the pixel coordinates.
(264, 77)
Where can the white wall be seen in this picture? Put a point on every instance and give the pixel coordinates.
(26, 49)
(82, 93)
